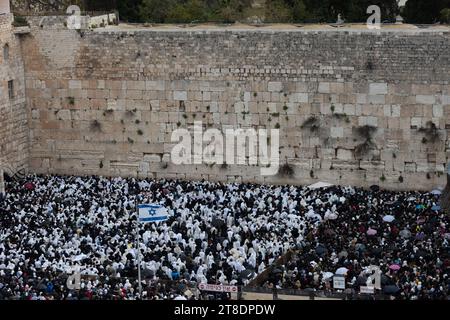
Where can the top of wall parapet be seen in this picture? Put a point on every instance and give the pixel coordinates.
(58, 22)
(275, 28)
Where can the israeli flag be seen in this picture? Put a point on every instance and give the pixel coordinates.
(152, 213)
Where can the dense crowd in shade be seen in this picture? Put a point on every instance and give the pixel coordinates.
(52, 226)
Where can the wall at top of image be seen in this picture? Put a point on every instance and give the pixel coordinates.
(353, 107)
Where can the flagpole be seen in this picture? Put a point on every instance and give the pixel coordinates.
(2, 183)
(138, 250)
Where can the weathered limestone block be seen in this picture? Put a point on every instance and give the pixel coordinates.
(378, 88)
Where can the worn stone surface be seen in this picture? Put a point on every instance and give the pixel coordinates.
(14, 132)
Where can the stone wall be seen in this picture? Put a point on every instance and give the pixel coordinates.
(13, 115)
(353, 107)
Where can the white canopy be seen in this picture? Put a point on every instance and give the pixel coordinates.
(319, 185)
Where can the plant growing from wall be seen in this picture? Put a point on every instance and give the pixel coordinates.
(341, 116)
(286, 170)
(108, 112)
(140, 132)
(366, 132)
(431, 133)
(130, 140)
(96, 126)
(312, 123)
(71, 100)
(364, 148)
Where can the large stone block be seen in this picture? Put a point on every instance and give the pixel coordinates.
(378, 88)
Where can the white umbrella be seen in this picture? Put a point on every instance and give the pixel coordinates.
(79, 257)
(436, 192)
(330, 216)
(319, 185)
(341, 271)
(327, 275)
(388, 218)
(411, 199)
(180, 298)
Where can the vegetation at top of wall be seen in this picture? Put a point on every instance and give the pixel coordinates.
(445, 15)
(187, 11)
(425, 11)
(270, 11)
(184, 11)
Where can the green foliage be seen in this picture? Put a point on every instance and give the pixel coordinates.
(187, 11)
(129, 10)
(20, 22)
(192, 10)
(278, 11)
(301, 11)
(420, 11)
(445, 15)
(155, 10)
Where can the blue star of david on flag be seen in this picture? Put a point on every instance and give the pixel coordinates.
(152, 213)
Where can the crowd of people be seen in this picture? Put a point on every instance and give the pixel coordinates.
(53, 226)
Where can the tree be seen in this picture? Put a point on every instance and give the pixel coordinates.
(155, 11)
(424, 12)
(445, 15)
(100, 5)
(228, 10)
(192, 10)
(278, 11)
(129, 10)
(299, 12)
